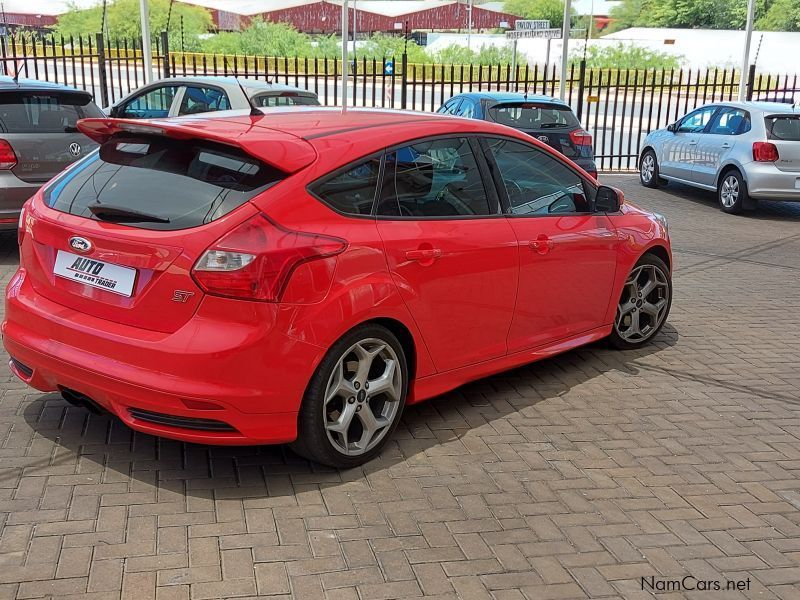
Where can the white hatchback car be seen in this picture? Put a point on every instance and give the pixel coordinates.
(742, 150)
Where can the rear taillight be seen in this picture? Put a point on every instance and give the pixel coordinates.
(8, 159)
(580, 137)
(256, 260)
(21, 224)
(765, 152)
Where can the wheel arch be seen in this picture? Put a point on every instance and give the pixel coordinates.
(649, 147)
(404, 336)
(661, 252)
(727, 168)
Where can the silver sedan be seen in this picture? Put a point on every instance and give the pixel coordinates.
(745, 151)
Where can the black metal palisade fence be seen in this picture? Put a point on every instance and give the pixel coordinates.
(618, 107)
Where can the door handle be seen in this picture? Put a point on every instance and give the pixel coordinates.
(693, 143)
(424, 254)
(726, 145)
(542, 245)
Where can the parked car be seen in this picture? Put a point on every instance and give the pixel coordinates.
(782, 95)
(741, 150)
(179, 96)
(38, 138)
(220, 282)
(547, 119)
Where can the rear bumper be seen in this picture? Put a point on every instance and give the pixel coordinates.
(253, 384)
(766, 182)
(13, 194)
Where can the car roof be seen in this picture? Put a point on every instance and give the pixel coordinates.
(9, 83)
(252, 86)
(289, 138)
(510, 97)
(762, 106)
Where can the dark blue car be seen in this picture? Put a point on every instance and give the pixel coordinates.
(547, 119)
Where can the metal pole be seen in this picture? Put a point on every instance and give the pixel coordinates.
(751, 11)
(345, 19)
(146, 48)
(355, 28)
(562, 90)
(547, 57)
(514, 58)
(591, 22)
(469, 26)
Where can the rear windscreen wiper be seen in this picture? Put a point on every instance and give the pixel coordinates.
(119, 214)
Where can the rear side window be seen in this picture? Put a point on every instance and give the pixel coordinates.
(201, 100)
(533, 115)
(351, 191)
(434, 179)
(160, 183)
(285, 99)
(44, 112)
(783, 127)
(730, 121)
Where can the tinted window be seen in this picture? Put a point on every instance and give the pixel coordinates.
(437, 178)
(781, 127)
(696, 122)
(151, 105)
(200, 100)
(537, 183)
(187, 182)
(285, 99)
(533, 115)
(730, 121)
(352, 191)
(44, 112)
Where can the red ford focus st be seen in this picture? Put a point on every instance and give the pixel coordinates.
(302, 276)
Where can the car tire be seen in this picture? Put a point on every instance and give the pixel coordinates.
(339, 405)
(647, 293)
(732, 192)
(648, 170)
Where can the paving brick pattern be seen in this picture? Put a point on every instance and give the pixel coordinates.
(570, 478)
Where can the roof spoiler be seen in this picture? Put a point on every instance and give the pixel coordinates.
(276, 148)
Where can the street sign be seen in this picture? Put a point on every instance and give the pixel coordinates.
(533, 33)
(388, 67)
(522, 25)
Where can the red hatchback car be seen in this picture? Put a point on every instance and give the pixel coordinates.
(302, 276)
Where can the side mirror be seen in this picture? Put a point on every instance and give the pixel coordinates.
(673, 127)
(113, 112)
(608, 199)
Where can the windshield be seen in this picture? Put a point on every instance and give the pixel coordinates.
(44, 112)
(783, 127)
(533, 115)
(171, 184)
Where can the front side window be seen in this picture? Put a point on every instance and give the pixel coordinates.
(697, 121)
(467, 109)
(730, 121)
(450, 107)
(434, 178)
(154, 104)
(201, 100)
(537, 183)
(351, 191)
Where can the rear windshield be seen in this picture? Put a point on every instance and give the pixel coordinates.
(286, 99)
(783, 127)
(533, 115)
(44, 112)
(160, 183)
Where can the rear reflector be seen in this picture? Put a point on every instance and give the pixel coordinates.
(8, 158)
(22, 369)
(256, 260)
(765, 152)
(180, 422)
(580, 137)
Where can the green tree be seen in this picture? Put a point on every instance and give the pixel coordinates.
(456, 54)
(710, 14)
(624, 56)
(124, 21)
(782, 15)
(261, 38)
(383, 45)
(552, 10)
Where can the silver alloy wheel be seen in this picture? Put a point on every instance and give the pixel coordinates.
(643, 305)
(362, 398)
(730, 191)
(648, 168)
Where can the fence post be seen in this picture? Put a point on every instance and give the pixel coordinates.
(751, 81)
(165, 52)
(102, 80)
(581, 77)
(404, 82)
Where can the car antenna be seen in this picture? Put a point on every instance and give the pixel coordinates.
(254, 112)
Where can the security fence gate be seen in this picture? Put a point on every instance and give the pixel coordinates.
(618, 107)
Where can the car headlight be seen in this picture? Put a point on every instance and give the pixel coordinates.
(661, 219)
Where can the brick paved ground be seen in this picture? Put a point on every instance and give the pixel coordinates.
(571, 478)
